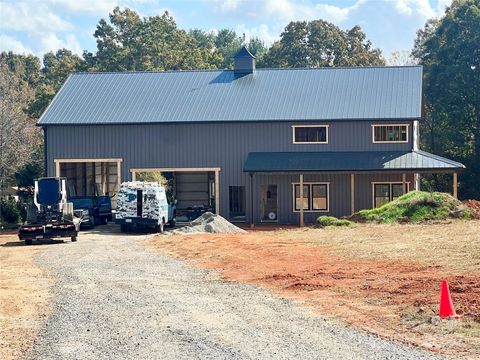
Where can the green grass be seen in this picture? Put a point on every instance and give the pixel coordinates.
(332, 221)
(417, 206)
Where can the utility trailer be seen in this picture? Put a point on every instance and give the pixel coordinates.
(51, 216)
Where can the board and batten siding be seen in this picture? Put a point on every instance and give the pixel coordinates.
(208, 145)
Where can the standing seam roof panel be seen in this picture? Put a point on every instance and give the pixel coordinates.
(274, 94)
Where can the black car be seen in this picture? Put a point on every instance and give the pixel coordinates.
(85, 209)
(93, 210)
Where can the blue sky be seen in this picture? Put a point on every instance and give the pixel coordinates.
(38, 26)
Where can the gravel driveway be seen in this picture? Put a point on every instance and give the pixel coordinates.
(114, 299)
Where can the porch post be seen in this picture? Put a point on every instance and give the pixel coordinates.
(251, 201)
(134, 175)
(417, 181)
(455, 185)
(119, 175)
(404, 182)
(57, 168)
(302, 223)
(352, 193)
(217, 192)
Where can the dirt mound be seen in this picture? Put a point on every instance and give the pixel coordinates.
(415, 207)
(474, 206)
(209, 223)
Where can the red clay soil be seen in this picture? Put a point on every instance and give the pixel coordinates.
(395, 299)
(474, 206)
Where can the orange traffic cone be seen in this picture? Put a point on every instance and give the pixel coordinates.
(446, 304)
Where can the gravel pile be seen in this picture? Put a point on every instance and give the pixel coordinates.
(208, 223)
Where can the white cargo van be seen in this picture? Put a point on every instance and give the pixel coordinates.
(142, 204)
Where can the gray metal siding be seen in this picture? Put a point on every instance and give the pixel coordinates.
(339, 192)
(224, 145)
(364, 190)
(218, 96)
(339, 195)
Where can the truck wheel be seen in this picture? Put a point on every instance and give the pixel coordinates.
(29, 242)
(124, 228)
(92, 222)
(73, 238)
(172, 222)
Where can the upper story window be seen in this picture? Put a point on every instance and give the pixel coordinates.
(310, 134)
(391, 133)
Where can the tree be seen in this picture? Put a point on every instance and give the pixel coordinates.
(18, 135)
(227, 43)
(56, 68)
(27, 67)
(223, 46)
(401, 58)
(319, 43)
(131, 43)
(449, 50)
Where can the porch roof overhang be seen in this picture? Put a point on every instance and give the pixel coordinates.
(358, 161)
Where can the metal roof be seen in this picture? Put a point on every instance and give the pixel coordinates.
(218, 96)
(347, 161)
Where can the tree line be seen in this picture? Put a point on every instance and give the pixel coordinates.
(447, 47)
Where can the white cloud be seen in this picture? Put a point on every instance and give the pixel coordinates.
(229, 5)
(403, 7)
(23, 16)
(50, 41)
(83, 6)
(422, 8)
(8, 43)
(283, 10)
(288, 10)
(262, 32)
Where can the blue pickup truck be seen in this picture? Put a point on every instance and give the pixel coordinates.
(93, 210)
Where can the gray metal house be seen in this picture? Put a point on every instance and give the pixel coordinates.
(247, 140)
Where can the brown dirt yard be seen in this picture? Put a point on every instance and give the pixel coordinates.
(381, 278)
(24, 297)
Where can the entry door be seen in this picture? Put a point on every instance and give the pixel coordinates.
(269, 202)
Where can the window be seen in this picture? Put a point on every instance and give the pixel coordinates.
(310, 134)
(306, 197)
(385, 192)
(237, 202)
(390, 133)
(315, 197)
(319, 197)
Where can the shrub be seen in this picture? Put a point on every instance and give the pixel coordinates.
(332, 221)
(10, 212)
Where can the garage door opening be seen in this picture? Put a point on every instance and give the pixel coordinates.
(90, 177)
(196, 190)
